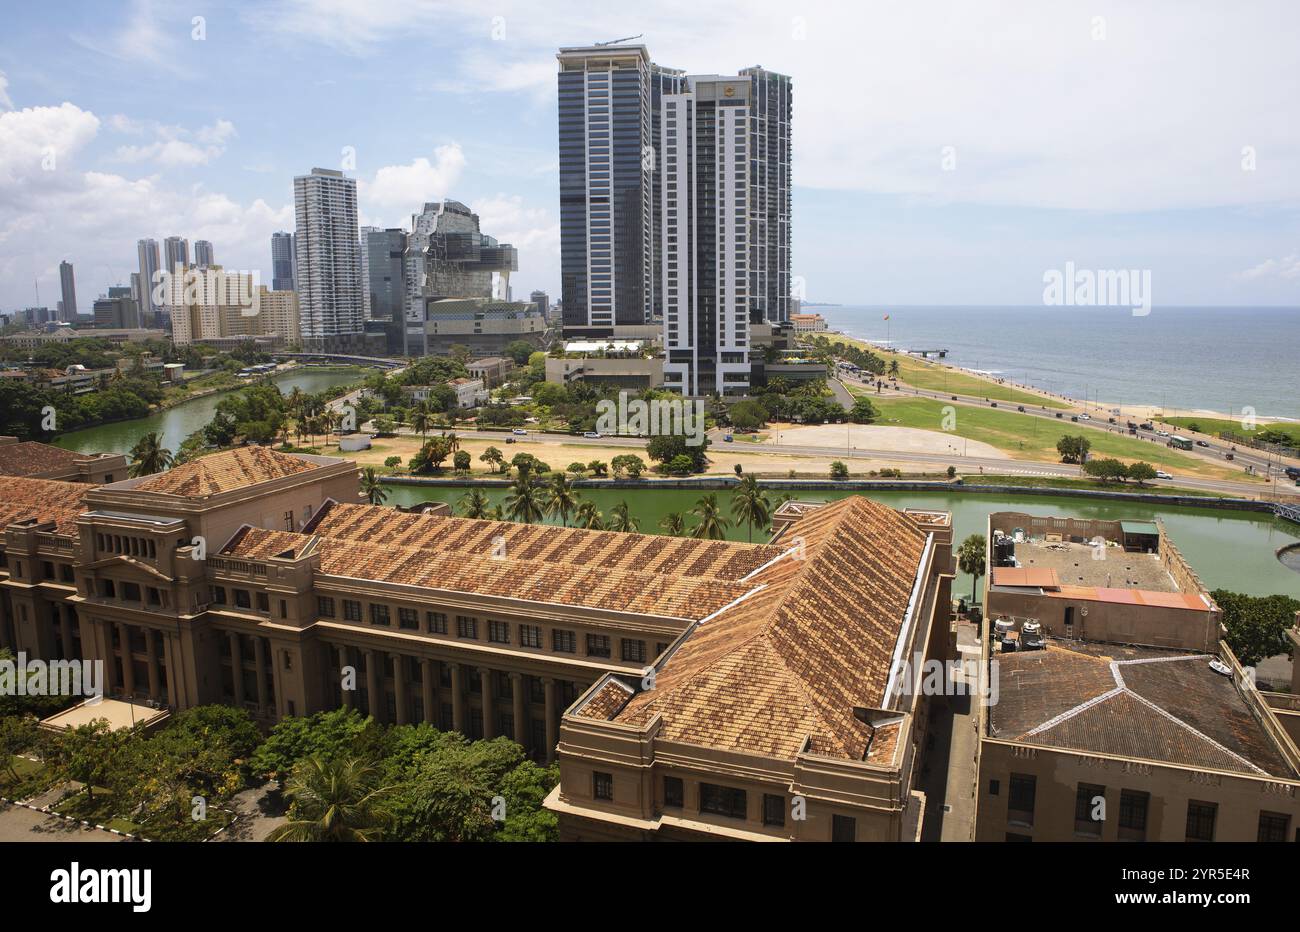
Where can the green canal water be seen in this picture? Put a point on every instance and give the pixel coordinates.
(1228, 549)
(175, 424)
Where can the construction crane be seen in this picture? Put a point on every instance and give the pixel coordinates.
(620, 41)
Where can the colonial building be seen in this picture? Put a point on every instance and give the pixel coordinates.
(34, 460)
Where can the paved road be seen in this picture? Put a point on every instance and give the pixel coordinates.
(18, 823)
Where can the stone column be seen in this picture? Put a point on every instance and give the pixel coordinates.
(375, 686)
(151, 648)
(399, 687)
(65, 631)
(236, 667)
(349, 699)
(457, 698)
(259, 661)
(128, 668)
(520, 708)
(428, 693)
(104, 651)
(552, 731)
(489, 702)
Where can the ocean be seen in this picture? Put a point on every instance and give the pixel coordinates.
(1181, 358)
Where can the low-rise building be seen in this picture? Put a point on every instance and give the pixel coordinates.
(630, 364)
(470, 393)
(491, 370)
(31, 459)
(808, 323)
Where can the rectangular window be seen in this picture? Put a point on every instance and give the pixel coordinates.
(723, 800)
(597, 645)
(1020, 799)
(263, 602)
(674, 794)
(379, 614)
(844, 828)
(241, 599)
(1200, 820)
(773, 809)
(602, 785)
(499, 632)
(1273, 826)
(218, 593)
(351, 610)
(131, 592)
(563, 641)
(1133, 815)
(324, 606)
(530, 635)
(466, 627)
(437, 622)
(633, 650)
(408, 618)
(1088, 799)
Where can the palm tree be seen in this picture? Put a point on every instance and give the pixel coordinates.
(524, 503)
(673, 524)
(371, 487)
(474, 504)
(589, 517)
(561, 499)
(149, 456)
(496, 514)
(421, 422)
(334, 800)
(713, 524)
(970, 560)
(749, 503)
(621, 520)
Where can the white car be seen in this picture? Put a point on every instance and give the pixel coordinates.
(592, 435)
(1084, 417)
(1160, 474)
(519, 432)
(1162, 433)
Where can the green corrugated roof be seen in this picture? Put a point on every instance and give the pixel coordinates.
(1139, 527)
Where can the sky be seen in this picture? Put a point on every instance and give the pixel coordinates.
(944, 153)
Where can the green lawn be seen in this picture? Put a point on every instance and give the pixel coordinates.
(100, 811)
(31, 779)
(1213, 426)
(1032, 438)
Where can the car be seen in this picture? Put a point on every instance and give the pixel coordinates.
(1020, 408)
(1110, 420)
(1162, 433)
(1085, 417)
(1228, 456)
(1059, 414)
(1293, 472)
(1073, 417)
(993, 404)
(519, 432)
(727, 438)
(1201, 443)
(592, 435)
(1146, 425)
(1161, 474)
(510, 440)
(954, 397)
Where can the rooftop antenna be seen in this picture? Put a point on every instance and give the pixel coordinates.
(620, 41)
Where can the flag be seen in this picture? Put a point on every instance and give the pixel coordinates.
(886, 317)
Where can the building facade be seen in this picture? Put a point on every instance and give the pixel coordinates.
(327, 269)
(68, 288)
(203, 255)
(149, 298)
(282, 259)
(385, 254)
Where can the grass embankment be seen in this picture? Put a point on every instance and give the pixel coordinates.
(1213, 426)
(1093, 485)
(936, 377)
(1031, 438)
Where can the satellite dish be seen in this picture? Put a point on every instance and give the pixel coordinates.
(1221, 668)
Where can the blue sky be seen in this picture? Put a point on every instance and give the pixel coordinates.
(1093, 133)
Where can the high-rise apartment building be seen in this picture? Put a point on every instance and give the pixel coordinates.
(282, 258)
(69, 289)
(365, 271)
(211, 304)
(384, 252)
(328, 266)
(674, 204)
(150, 265)
(176, 253)
(203, 254)
(117, 311)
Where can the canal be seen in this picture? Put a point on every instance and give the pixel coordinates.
(175, 424)
(1228, 549)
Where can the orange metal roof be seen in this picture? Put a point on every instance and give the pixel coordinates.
(1133, 597)
(1033, 576)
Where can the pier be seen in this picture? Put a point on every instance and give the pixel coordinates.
(925, 353)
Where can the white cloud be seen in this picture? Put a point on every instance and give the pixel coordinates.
(406, 187)
(5, 100)
(37, 145)
(172, 146)
(148, 37)
(1287, 267)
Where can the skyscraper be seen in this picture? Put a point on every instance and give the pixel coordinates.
(365, 271)
(203, 254)
(150, 265)
(674, 203)
(385, 255)
(176, 254)
(282, 257)
(69, 287)
(328, 267)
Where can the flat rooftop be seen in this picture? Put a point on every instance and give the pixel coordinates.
(1074, 565)
(1134, 702)
(119, 715)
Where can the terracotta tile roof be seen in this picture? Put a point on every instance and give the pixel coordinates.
(605, 550)
(640, 592)
(794, 660)
(225, 472)
(607, 702)
(1131, 702)
(30, 458)
(43, 499)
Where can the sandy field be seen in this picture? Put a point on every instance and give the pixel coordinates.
(877, 437)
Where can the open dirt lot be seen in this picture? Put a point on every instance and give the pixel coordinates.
(874, 437)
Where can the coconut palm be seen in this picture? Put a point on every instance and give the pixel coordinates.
(496, 514)
(621, 520)
(149, 456)
(589, 517)
(474, 504)
(334, 800)
(673, 524)
(561, 499)
(713, 523)
(524, 503)
(421, 421)
(750, 504)
(372, 487)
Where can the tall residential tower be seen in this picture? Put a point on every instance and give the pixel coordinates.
(328, 267)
